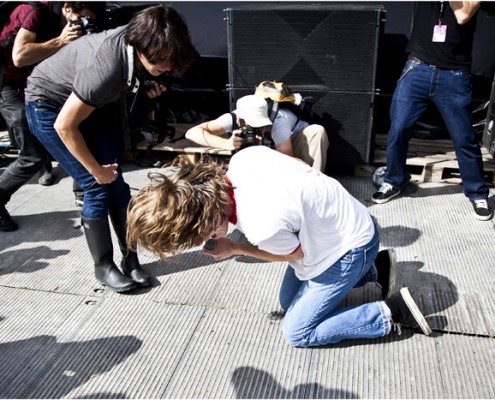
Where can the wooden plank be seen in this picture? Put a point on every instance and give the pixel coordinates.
(436, 159)
(184, 146)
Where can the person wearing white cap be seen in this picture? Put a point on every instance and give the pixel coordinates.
(251, 111)
(287, 131)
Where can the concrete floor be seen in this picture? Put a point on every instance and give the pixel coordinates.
(209, 330)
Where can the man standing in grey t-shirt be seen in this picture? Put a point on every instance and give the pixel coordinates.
(68, 100)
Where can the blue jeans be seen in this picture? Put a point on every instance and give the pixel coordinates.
(312, 317)
(98, 134)
(450, 91)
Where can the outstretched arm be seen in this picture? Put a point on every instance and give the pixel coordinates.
(208, 134)
(226, 248)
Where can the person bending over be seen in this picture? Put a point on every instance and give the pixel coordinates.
(69, 98)
(289, 212)
(27, 39)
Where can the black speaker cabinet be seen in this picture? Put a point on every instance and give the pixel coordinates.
(489, 132)
(325, 51)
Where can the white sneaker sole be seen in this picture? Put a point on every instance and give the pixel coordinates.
(483, 218)
(381, 201)
(393, 272)
(418, 316)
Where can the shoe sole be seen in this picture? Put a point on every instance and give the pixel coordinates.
(483, 218)
(392, 256)
(381, 201)
(391, 261)
(414, 309)
(120, 290)
(43, 182)
(12, 229)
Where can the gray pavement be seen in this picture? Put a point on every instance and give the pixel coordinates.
(205, 329)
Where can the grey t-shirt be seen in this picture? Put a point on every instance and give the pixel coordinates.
(94, 67)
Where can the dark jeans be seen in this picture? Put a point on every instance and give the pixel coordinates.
(30, 159)
(98, 134)
(450, 91)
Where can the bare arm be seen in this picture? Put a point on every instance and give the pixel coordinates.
(71, 115)
(208, 134)
(285, 148)
(226, 248)
(464, 10)
(27, 52)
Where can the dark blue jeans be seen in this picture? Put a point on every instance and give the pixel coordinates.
(31, 153)
(98, 134)
(450, 91)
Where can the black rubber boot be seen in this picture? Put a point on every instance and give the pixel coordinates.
(130, 262)
(97, 232)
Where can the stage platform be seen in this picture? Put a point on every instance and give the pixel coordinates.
(209, 330)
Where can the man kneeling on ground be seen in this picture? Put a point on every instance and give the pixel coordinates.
(289, 212)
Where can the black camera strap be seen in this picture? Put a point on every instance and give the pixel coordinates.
(235, 125)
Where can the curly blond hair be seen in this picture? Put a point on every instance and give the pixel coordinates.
(174, 213)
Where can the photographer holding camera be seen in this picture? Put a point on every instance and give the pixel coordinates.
(250, 117)
(77, 18)
(290, 134)
(27, 39)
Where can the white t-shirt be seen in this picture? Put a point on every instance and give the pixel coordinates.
(282, 203)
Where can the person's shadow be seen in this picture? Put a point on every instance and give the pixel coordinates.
(254, 383)
(398, 236)
(26, 366)
(432, 292)
(28, 260)
(43, 227)
(195, 259)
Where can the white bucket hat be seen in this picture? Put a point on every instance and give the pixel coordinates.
(253, 110)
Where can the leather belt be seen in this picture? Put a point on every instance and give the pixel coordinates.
(421, 62)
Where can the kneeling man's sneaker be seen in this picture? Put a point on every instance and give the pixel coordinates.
(385, 193)
(482, 210)
(386, 267)
(405, 312)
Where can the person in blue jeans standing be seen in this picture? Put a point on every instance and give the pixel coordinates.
(26, 39)
(70, 99)
(289, 212)
(438, 71)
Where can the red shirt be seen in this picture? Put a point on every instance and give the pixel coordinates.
(24, 16)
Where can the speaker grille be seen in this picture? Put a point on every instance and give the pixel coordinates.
(325, 51)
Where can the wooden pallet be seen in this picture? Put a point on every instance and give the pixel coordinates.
(183, 146)
(433, 160)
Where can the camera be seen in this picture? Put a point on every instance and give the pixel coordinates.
(248, 133)
(87, 25)
(250, 136)
(170, 81)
